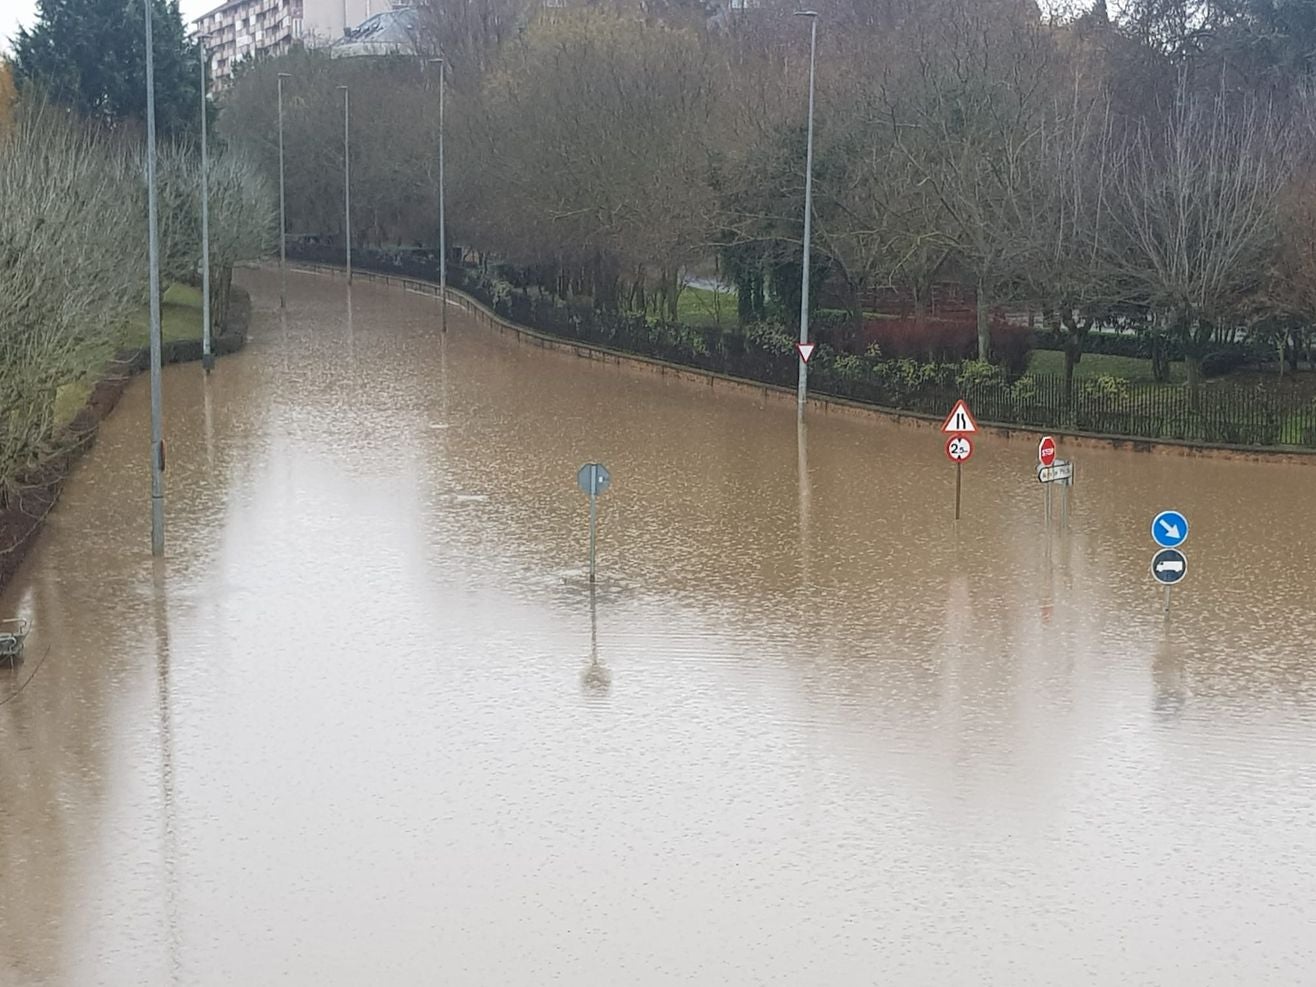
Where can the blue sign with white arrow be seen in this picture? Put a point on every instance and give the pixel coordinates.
(1169, 529)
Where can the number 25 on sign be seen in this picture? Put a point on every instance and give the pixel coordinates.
(959, 448)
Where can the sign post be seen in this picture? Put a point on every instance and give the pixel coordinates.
(1046, 455)
(959, 449)
(1169, 565)
(1059, 471)
(959, 425)
(593, 479)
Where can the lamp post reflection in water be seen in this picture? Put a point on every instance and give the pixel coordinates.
(169, 831)
(802, 466)
(208, 420)
(283, 219)
(596, 680)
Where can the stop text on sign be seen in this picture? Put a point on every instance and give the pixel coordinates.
(1046, 451)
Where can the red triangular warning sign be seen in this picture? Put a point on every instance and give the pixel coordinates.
(960, 420)
(806, 350)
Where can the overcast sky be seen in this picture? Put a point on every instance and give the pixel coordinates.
(21, 13)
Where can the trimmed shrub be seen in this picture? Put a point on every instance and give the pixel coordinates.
(950, 337)
(1223, 362)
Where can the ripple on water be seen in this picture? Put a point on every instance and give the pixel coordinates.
(368, 718)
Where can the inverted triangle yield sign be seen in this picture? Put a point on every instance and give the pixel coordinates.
(806, 350)
(960, 420)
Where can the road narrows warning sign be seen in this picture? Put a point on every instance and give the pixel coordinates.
(960, 420)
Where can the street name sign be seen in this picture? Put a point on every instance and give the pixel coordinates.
(1062, 470)
(1169, 529)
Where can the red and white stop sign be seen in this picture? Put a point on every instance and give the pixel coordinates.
(1046, 451)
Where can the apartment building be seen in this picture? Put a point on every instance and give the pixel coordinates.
(241, 29)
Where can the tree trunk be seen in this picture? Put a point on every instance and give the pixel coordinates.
(856, 314)
(984, 326)
(1160, 357)
(1193, 365)
(745, 309)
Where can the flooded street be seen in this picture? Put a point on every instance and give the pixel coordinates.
(366, 723)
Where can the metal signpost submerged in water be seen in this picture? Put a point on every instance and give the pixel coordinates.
(959, 425)
(1169, 565)
(1052, 470)
(593, 479)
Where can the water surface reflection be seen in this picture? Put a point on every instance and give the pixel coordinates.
(368, 723)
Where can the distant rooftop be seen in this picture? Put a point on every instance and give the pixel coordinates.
(379, 34)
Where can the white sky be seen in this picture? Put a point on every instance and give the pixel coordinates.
(21, 13)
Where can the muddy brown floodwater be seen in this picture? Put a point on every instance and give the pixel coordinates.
(366, 724)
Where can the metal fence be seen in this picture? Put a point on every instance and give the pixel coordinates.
(1219, 413)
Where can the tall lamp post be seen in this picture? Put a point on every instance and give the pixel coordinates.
(283, 227)
(152, 222)
(808, 214)
(347, 186)
(207, 357)
(443, 231)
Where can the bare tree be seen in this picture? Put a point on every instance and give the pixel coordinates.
(591, 143)
(470, 34)
(1069, 271)
(970, 110)
(243, 221)
(1196, 214)
(178, 176)
(72, 267)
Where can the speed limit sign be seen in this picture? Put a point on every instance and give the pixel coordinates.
(959, 448)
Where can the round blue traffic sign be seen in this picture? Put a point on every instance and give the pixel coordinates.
(1169, 529)
(1169, 565)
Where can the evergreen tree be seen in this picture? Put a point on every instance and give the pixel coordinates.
(90, 55)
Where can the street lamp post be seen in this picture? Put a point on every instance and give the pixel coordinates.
(808, 214)
(152, 222)
(283, 228)
(443, 231)
(347, 186)
(207, 357)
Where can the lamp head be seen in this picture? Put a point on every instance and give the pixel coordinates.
(806, 13)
